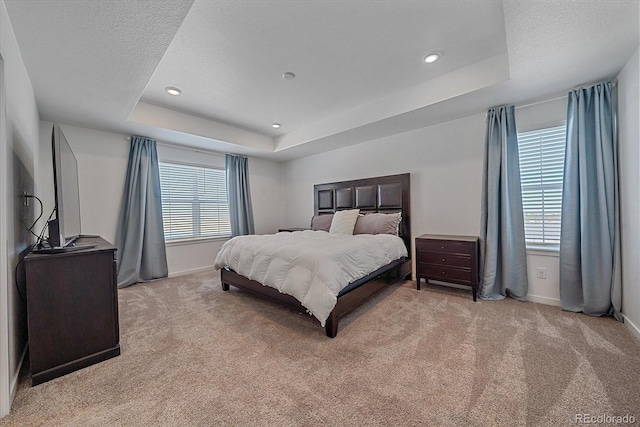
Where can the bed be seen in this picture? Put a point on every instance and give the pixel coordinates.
(386, 194)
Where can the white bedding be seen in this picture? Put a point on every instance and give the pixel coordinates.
(312, 266)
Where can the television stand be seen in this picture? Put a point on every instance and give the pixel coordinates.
(72, 308)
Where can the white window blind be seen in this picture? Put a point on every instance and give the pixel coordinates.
(541, 169)
(194, 202)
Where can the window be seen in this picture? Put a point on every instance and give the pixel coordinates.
(194, 202)
(541, 169)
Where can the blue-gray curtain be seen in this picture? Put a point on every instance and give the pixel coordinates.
(503, 258)
(589, 255)
(140, 235)
(239, 196)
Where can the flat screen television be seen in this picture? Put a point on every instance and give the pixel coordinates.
(64, 229)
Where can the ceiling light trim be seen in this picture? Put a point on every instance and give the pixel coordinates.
(432, 57)
(173, 91)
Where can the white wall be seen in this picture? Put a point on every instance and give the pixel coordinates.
(102, 166)
(19, 139)
(445, 162)
(629, 154)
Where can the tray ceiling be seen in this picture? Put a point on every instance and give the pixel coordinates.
(358, 65)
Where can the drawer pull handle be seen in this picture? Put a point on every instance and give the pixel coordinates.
(443, 247)
(443, 273)
(443, 260)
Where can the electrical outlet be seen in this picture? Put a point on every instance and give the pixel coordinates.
(542, 273)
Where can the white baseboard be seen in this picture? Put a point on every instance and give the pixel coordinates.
(633, 328)
(193, 270)
(16, 375)
(543, 300)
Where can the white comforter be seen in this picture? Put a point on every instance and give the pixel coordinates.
(312, 266)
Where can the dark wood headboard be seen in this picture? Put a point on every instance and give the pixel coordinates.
(384, 194)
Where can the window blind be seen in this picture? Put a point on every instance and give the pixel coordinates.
(194, 202)
(541, 169)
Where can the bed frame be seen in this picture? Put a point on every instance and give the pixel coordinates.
(386, 194)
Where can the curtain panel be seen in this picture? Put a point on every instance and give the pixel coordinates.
(590, 277)
(239, 195)
(140, 235)
(503, 258)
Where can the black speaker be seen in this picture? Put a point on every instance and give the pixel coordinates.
(54, 233)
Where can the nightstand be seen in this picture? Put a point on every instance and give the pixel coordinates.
(450, 259)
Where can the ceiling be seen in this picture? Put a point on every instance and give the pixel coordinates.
(359, 69)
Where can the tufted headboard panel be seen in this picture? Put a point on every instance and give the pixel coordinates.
(384, 194)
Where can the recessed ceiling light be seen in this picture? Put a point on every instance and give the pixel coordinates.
(276, 125)
(431, 58)
(288, 75)
(172, 90)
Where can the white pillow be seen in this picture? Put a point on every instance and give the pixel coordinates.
(344, 221)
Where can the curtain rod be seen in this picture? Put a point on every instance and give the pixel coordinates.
(541, 101)
(197, 150)
(182, 147)
(561, 95)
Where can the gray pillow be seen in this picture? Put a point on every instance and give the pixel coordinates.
(378, 223)
(321, 222)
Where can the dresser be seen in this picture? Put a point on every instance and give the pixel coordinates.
(450, 259)
(72, 309)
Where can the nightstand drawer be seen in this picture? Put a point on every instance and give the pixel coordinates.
(444, 246)
(444, 259)
(455, 275)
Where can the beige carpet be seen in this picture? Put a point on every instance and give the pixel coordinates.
(193, 355)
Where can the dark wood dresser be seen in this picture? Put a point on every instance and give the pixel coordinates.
(450, 259)
(72, 309)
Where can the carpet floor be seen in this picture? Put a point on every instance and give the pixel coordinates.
(193, 355)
